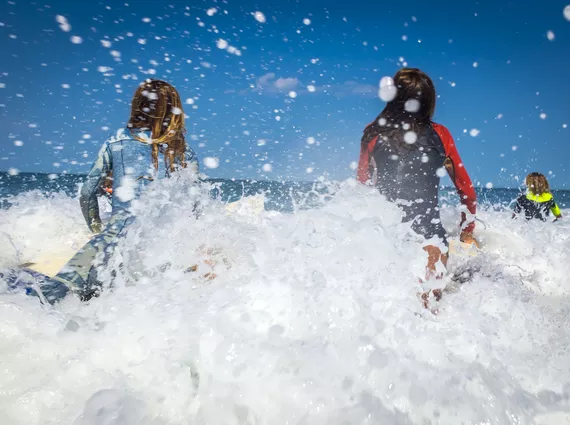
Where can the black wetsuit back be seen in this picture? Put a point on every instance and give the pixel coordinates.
(409, 176)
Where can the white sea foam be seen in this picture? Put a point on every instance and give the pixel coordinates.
(312, 318)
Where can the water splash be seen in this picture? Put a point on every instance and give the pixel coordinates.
(312, 318)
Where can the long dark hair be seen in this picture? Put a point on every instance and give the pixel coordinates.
(411, 109)
(156, 107)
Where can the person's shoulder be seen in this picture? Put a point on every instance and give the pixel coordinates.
(440, 129)
(121, 135)
(444, 134)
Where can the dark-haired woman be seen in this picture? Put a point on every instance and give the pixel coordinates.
(132, 157)
(403, 153)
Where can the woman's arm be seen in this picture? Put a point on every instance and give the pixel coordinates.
(88, 197)
(367, 144)
(556, 211)
(460, 178)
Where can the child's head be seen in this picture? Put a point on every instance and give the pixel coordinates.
(414, 84)
(156, 107)
(537, 184)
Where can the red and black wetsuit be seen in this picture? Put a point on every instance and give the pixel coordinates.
(409, 176)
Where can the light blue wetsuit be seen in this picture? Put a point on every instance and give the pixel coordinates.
(129, 161)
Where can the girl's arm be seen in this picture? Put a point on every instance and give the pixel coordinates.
(556, 211)
(460, 179)
(88, 197)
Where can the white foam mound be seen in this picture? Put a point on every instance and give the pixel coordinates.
(312, 318)
(36, 224)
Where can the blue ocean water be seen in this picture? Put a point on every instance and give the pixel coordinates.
(279, 196)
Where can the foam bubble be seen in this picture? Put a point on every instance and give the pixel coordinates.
(412, 105)
(410, 137)
(211, 162)
(387, 90)
(259, 17)
(63, 23)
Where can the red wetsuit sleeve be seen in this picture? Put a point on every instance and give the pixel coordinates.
(363, 171)
(366, 148)
(458, 175)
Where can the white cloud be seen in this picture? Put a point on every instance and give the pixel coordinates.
(286, 83)
(268, 84)
(351, 88)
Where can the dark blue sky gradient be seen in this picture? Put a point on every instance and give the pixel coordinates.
(344, 52)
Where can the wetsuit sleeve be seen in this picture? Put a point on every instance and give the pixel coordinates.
(518, 206)
(367, 144)
(458, 175)
(88, 197)
(555, 209)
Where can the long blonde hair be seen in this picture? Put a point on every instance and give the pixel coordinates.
(156, 107)
(537, 184)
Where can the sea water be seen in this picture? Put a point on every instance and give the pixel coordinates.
(304, 314)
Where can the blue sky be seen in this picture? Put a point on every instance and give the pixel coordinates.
(66, 84)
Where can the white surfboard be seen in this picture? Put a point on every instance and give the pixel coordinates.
(50, 263)
(249, 206)
(456, 247)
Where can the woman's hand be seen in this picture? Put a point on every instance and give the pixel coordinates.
(468, 238)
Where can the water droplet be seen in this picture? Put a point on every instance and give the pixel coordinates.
(259, 17)
(211, 162)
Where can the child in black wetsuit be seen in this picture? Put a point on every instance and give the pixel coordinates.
(538, 201)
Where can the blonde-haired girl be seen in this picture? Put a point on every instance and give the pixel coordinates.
(538, 201)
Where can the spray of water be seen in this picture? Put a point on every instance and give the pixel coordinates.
(308, 317)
